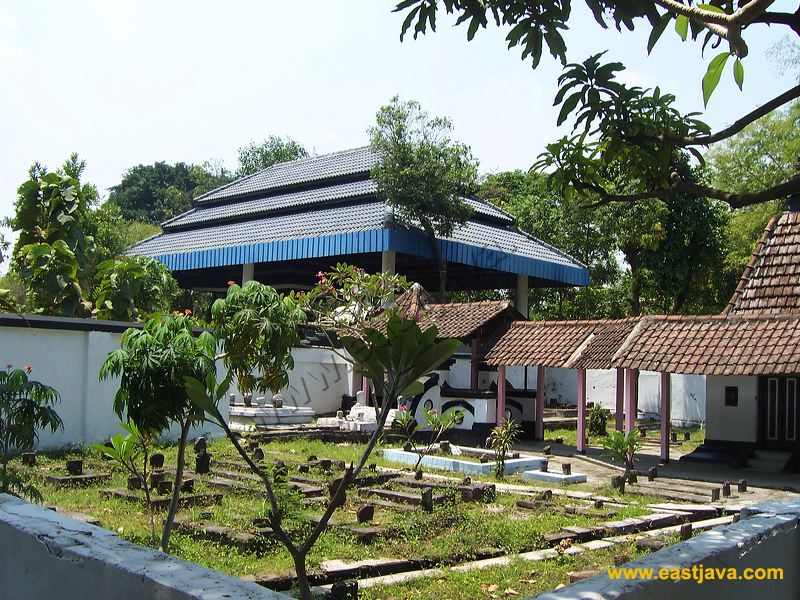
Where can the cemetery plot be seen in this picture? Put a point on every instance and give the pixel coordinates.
(393, 523)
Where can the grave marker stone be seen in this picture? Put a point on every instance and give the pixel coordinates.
(157, 461)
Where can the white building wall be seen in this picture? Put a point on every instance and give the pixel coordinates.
(688, 392)
(319, 380)
(732, 423)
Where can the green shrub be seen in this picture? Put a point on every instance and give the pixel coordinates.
(598, 418)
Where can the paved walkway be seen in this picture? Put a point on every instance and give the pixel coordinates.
(765, 485)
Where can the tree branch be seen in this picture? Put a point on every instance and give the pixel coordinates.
(679, 185)
(730, 131)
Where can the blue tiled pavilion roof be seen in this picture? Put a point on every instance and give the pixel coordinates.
(327, 205)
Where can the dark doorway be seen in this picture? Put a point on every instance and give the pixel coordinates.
(779, 422)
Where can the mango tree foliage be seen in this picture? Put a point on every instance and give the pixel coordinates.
(639, 130)
(422, 172)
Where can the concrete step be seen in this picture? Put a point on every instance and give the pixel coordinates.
(772, 462)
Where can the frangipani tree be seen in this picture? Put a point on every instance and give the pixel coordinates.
(152, 364)
(399, 358)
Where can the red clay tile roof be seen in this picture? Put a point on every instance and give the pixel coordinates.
(567, 344)
(456, 319)
(770, 283)
(699, 345)
(714, 345)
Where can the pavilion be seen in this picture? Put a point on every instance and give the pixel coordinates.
(750, 356)
(285, 223)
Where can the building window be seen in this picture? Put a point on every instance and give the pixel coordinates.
(731, 395)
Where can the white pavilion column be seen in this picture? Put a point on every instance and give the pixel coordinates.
(665, 416)
(538, 426)
(521, 302)
(581, 445)
(501, 395)
(388, 258)
(248, 272)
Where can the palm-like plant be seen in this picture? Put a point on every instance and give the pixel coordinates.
(623, 448)
(501, 440)
(25, 407)
(126, 450)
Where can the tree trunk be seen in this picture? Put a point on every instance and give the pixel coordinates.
(636, 284)
(176, 488)
(303, 588)
(146, 488)
(440, 263)
(683, 294)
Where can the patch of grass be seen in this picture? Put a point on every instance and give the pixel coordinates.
(519, 579)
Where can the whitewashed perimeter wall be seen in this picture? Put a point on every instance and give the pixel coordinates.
(69, 360)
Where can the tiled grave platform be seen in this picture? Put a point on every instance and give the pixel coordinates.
(449, 463)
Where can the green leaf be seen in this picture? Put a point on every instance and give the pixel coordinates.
(682, 26)
(568, 106)
(712, 8)
(197, 393)
(658, 29)
(738, 73)
(713, 74)
(413, 389)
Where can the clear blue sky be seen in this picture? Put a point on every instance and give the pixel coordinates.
(125, 83)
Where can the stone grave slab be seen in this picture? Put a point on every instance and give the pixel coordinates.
(86, 479)
(554, 477)
(163, 502)
(449, 463)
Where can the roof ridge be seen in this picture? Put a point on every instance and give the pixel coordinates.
(281, 164)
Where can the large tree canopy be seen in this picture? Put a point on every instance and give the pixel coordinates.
(639, 130)
(422, 172)
(157, 192)
(272, 150)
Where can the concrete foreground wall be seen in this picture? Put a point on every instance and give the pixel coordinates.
(46, 555)
(766, 537)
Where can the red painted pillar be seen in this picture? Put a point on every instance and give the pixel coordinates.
(365, 389)
(473, 374)
(501, 394)
(620, 391)
(538, 431)
(631, 390)
(581, 445)
(665, 415)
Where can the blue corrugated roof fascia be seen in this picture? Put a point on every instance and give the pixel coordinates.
(376, 240)
(489, 258)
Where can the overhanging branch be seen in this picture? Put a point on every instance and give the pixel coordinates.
(730, 131)
(678, 185)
